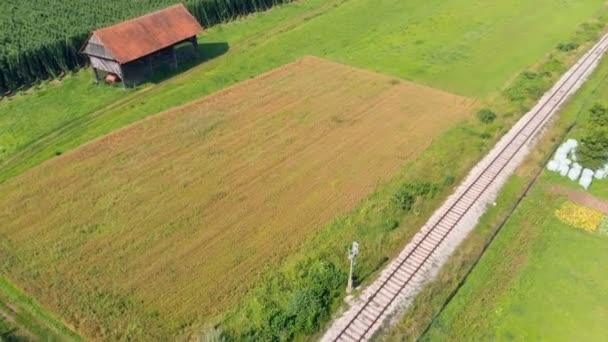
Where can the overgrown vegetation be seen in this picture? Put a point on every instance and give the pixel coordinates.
(565, 47)
(42, 39)
(592, 152)
(486, 116)
(528, 85)
(294, 303)
(297, 300)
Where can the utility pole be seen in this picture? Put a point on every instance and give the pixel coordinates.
(352, 254)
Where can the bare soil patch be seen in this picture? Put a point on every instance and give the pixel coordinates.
(170, 220)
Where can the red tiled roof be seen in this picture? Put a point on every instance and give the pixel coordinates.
(135, 38)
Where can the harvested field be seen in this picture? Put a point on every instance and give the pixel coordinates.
(167, 222)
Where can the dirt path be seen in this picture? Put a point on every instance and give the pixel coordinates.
(582, 198)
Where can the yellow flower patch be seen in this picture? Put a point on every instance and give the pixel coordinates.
(578, 216)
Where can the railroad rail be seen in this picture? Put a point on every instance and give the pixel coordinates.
(409, 269)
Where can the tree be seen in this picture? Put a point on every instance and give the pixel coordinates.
(598, 115)
(593, 150)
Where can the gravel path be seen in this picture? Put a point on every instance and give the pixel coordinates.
(421, 259)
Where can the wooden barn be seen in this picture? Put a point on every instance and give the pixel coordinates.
(132, 50)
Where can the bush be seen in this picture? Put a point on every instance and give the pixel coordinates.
(486, 116)
(567, 46)
(528, 85)
(404, 200)
(407, 195)
(593, 149)
(598, 115)
(294, 304)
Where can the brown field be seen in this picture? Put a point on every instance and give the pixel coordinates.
(167, 222)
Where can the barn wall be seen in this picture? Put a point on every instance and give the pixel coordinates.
(136, 72)
(96, 48)
(109, 66)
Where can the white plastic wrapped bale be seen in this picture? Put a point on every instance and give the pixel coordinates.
(563, 170)
(553, 165)
(586, 178)
(559, 156)
(571, 143)
(574, 173)
(562, 160)
(577, 166)
(600, 174)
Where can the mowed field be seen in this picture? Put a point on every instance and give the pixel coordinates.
(171, 219)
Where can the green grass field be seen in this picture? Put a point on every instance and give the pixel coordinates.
(540, 279)
(425, 41)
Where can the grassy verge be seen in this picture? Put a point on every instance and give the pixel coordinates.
(515, 244)
(22, 318)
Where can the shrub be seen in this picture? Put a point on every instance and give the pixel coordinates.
(404, 200)
(598, 115)
(485, 135)
(296, 303)
(486, 116)
(528, 85)
(567, 46)
(407, 195)
(592, 152)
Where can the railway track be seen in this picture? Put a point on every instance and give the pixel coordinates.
(403, 276)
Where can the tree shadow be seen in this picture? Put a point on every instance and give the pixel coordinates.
(187, 59)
